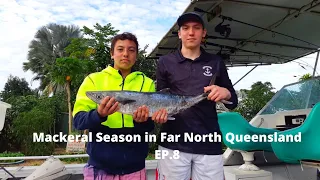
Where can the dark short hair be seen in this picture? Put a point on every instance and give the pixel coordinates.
(124, 36)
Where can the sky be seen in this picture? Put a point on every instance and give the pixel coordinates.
(149, 20)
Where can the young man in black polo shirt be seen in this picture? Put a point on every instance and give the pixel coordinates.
(188, 71)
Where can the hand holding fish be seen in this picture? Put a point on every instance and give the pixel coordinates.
(217, 93)
(141, 114)
(108, 106)
(160, 116)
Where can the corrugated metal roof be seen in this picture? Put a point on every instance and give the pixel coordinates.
(293, 30)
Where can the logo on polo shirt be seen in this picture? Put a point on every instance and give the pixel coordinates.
(207, 70)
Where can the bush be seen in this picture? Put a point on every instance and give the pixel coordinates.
(19, 104)
(40, 119)
(34, 121)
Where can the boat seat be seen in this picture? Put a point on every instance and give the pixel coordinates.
(237, 126)
(309, 148)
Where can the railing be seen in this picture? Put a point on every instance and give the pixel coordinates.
(43, 157)
(75, 169)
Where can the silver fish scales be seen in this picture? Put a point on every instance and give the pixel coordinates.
(155, 101)
(130, 101)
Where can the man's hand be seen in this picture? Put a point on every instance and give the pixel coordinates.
(160, 116)
(107, 106)
(217, 93)
(141, 114)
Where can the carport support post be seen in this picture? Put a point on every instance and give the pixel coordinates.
(315, 66)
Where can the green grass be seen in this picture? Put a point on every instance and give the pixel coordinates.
(10, 154)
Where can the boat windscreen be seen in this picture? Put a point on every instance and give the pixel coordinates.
(301, 95)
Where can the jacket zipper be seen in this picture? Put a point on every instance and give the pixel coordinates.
(122, 114)
(124, 156)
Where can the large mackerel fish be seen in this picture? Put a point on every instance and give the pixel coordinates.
(130, 100)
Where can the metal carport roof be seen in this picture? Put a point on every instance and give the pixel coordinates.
(261, 32)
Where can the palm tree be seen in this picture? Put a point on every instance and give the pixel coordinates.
(48, 44)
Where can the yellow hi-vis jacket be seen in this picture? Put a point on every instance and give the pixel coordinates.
(111, 79)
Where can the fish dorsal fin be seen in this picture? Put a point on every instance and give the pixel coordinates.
(122, 100)
(165, 91)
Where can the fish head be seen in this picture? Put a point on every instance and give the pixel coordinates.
(95, 96)
(98, 96)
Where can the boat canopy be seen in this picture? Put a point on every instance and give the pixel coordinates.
(251, 33)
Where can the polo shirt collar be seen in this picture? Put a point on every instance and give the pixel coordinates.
(203, 56)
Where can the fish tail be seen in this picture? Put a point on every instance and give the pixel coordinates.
(213, 79)
(212, 82)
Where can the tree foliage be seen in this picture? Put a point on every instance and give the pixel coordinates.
(15, 86)
(68, 69)
(95, 49)
(147, 66)
(48, 44)
(59, 56)
(64, 72)
(305, 77)
(21, 119)
(94, 46)
(35, 115)
(14, 89)
(256, 98)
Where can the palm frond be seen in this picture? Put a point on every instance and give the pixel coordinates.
(48, 44)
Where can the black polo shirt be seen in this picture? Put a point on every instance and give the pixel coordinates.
(189, 77)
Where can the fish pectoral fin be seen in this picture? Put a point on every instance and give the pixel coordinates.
(165, 90)
(171, 118)
(125, 100)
